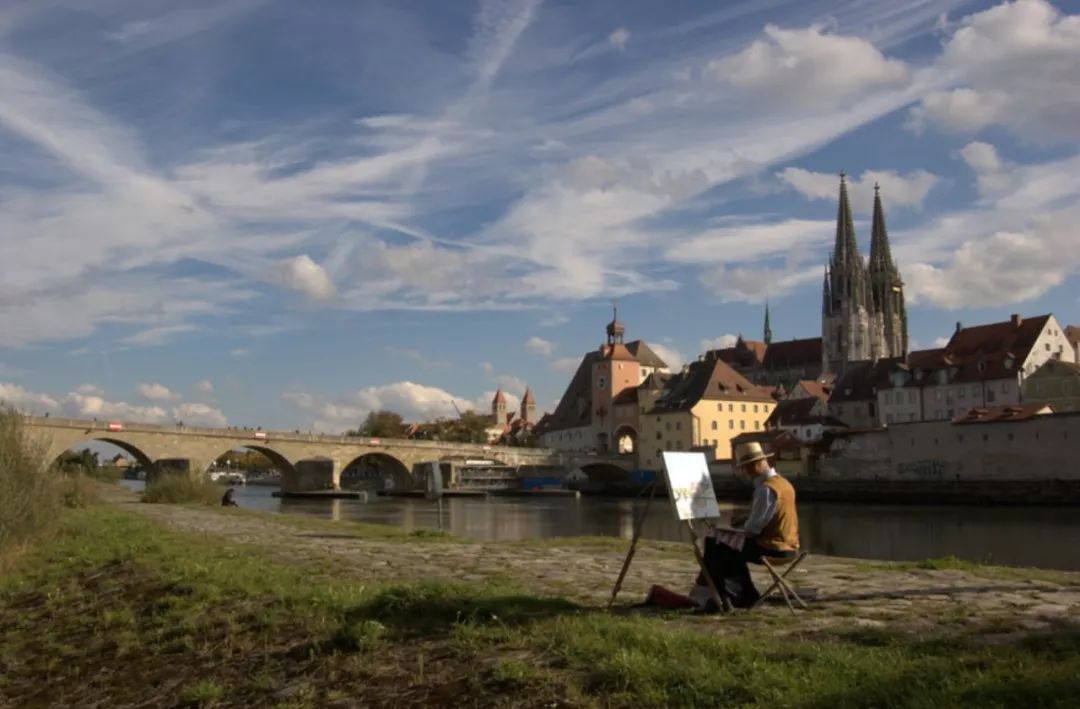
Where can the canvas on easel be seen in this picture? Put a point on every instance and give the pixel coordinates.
(693, 497)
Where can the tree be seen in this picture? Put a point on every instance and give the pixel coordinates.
(471, 427)
(381, 424)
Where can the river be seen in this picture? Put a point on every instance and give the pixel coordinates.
(1015, 536)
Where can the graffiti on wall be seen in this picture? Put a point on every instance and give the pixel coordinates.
(935, 469)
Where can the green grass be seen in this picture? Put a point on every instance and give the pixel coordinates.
(177, 488)
(30, 498)
(115, 609)
(974, 568)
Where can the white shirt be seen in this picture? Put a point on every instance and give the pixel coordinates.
(762, 506)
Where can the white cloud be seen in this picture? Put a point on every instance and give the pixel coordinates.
(991, 173)
(803, 67)
(940, 342)
(749, 242)
(565, 365)
(1017, 64)
(540, 346)
(619, 38)
(488, 367)
(24, 400)
(90, 390)
(958, 110)
(304, 276)
(754, 284)
(155, 336)
(156, 392)
(671, 356)
(897, 190)
(239, 352)
(415, 402)
(194, 414)
(204, 386)
(718, 343)
(511, 384)
(79, 405)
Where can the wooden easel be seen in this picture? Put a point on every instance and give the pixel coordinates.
(639, 519)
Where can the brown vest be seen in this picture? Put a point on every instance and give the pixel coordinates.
(782, 531)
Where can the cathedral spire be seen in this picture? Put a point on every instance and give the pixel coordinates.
(768, 327)
(846, 249)
(880, 254)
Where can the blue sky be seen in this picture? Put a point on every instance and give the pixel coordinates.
(288, 214)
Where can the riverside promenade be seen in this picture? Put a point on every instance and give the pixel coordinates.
(997, 603)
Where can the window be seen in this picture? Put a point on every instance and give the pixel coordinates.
(601, 383)
(730, 408)
(755, 408)
(678, 425)
(719, 407)
(985, 438)
(731, 424)
(744, 408)
(886, 398)
(659, 436)
(757, 425)
(742, 425)
(715, 425)
(1047, 346)
(911, 397)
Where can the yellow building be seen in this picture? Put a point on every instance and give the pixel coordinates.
(1056, 383)
(701, 408)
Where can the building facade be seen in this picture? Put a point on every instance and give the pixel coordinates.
(863, 315)
(1055, 383)
(701, 408)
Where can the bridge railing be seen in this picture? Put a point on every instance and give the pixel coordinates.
(245, 433)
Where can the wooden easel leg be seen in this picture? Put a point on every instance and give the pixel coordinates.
(721, 601)
(639, 520)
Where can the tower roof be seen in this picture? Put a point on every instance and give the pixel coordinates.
(880, 254)
(500, 398)
(615, 329)
(528, 398)
(768, 326)
(846, 250)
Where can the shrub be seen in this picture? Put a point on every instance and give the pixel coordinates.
(178, 488)
(29, 493)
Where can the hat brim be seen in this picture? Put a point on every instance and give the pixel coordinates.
(756, 458)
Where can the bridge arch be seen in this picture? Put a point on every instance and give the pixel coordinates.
(141, 457)
(279, 461)
(375, 469)
(605, 473)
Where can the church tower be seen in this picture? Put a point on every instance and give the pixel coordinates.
(849, 332)
(886, 286)
(498, 408)
(528, 407)
(768, 328)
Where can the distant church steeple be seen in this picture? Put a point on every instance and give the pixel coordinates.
(768, 327)
(863, 315)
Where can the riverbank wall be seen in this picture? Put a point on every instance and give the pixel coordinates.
(923, 492)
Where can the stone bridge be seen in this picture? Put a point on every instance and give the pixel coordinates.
(307, 461)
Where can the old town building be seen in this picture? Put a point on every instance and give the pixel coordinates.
(1056, 383)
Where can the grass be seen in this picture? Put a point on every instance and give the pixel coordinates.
(29, 487)
(178, 488)
(974, 568)
(115, 609)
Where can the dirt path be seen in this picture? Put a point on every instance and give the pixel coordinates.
(871, 594)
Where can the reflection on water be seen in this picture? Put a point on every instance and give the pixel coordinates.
(1021, 536)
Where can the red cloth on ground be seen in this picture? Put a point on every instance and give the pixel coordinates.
(663, 598)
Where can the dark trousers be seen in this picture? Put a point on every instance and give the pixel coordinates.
(729, 571)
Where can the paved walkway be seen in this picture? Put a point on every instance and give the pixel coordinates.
(998, 602)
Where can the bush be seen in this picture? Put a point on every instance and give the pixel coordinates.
(29, 487)
(178, 488)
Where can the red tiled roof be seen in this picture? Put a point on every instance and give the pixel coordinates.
(998, 414)
(500, 398)
(710, 379)
(815, 388)
(528, 398)
(629, 395)
(645, 355)
(794, 412)
(981, 352)
(793, 353)
(618, 352)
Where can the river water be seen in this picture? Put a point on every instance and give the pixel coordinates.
(1017, 536)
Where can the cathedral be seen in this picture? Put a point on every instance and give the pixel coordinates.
(862, 310)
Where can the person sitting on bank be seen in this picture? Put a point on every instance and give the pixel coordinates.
(771, 530)
(229, 499)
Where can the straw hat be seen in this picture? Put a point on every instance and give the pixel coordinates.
(746, 453)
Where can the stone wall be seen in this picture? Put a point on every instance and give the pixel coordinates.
(1040, 448)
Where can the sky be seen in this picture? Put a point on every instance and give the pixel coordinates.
(280, 214)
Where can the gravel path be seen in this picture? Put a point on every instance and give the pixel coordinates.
(853, 592)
